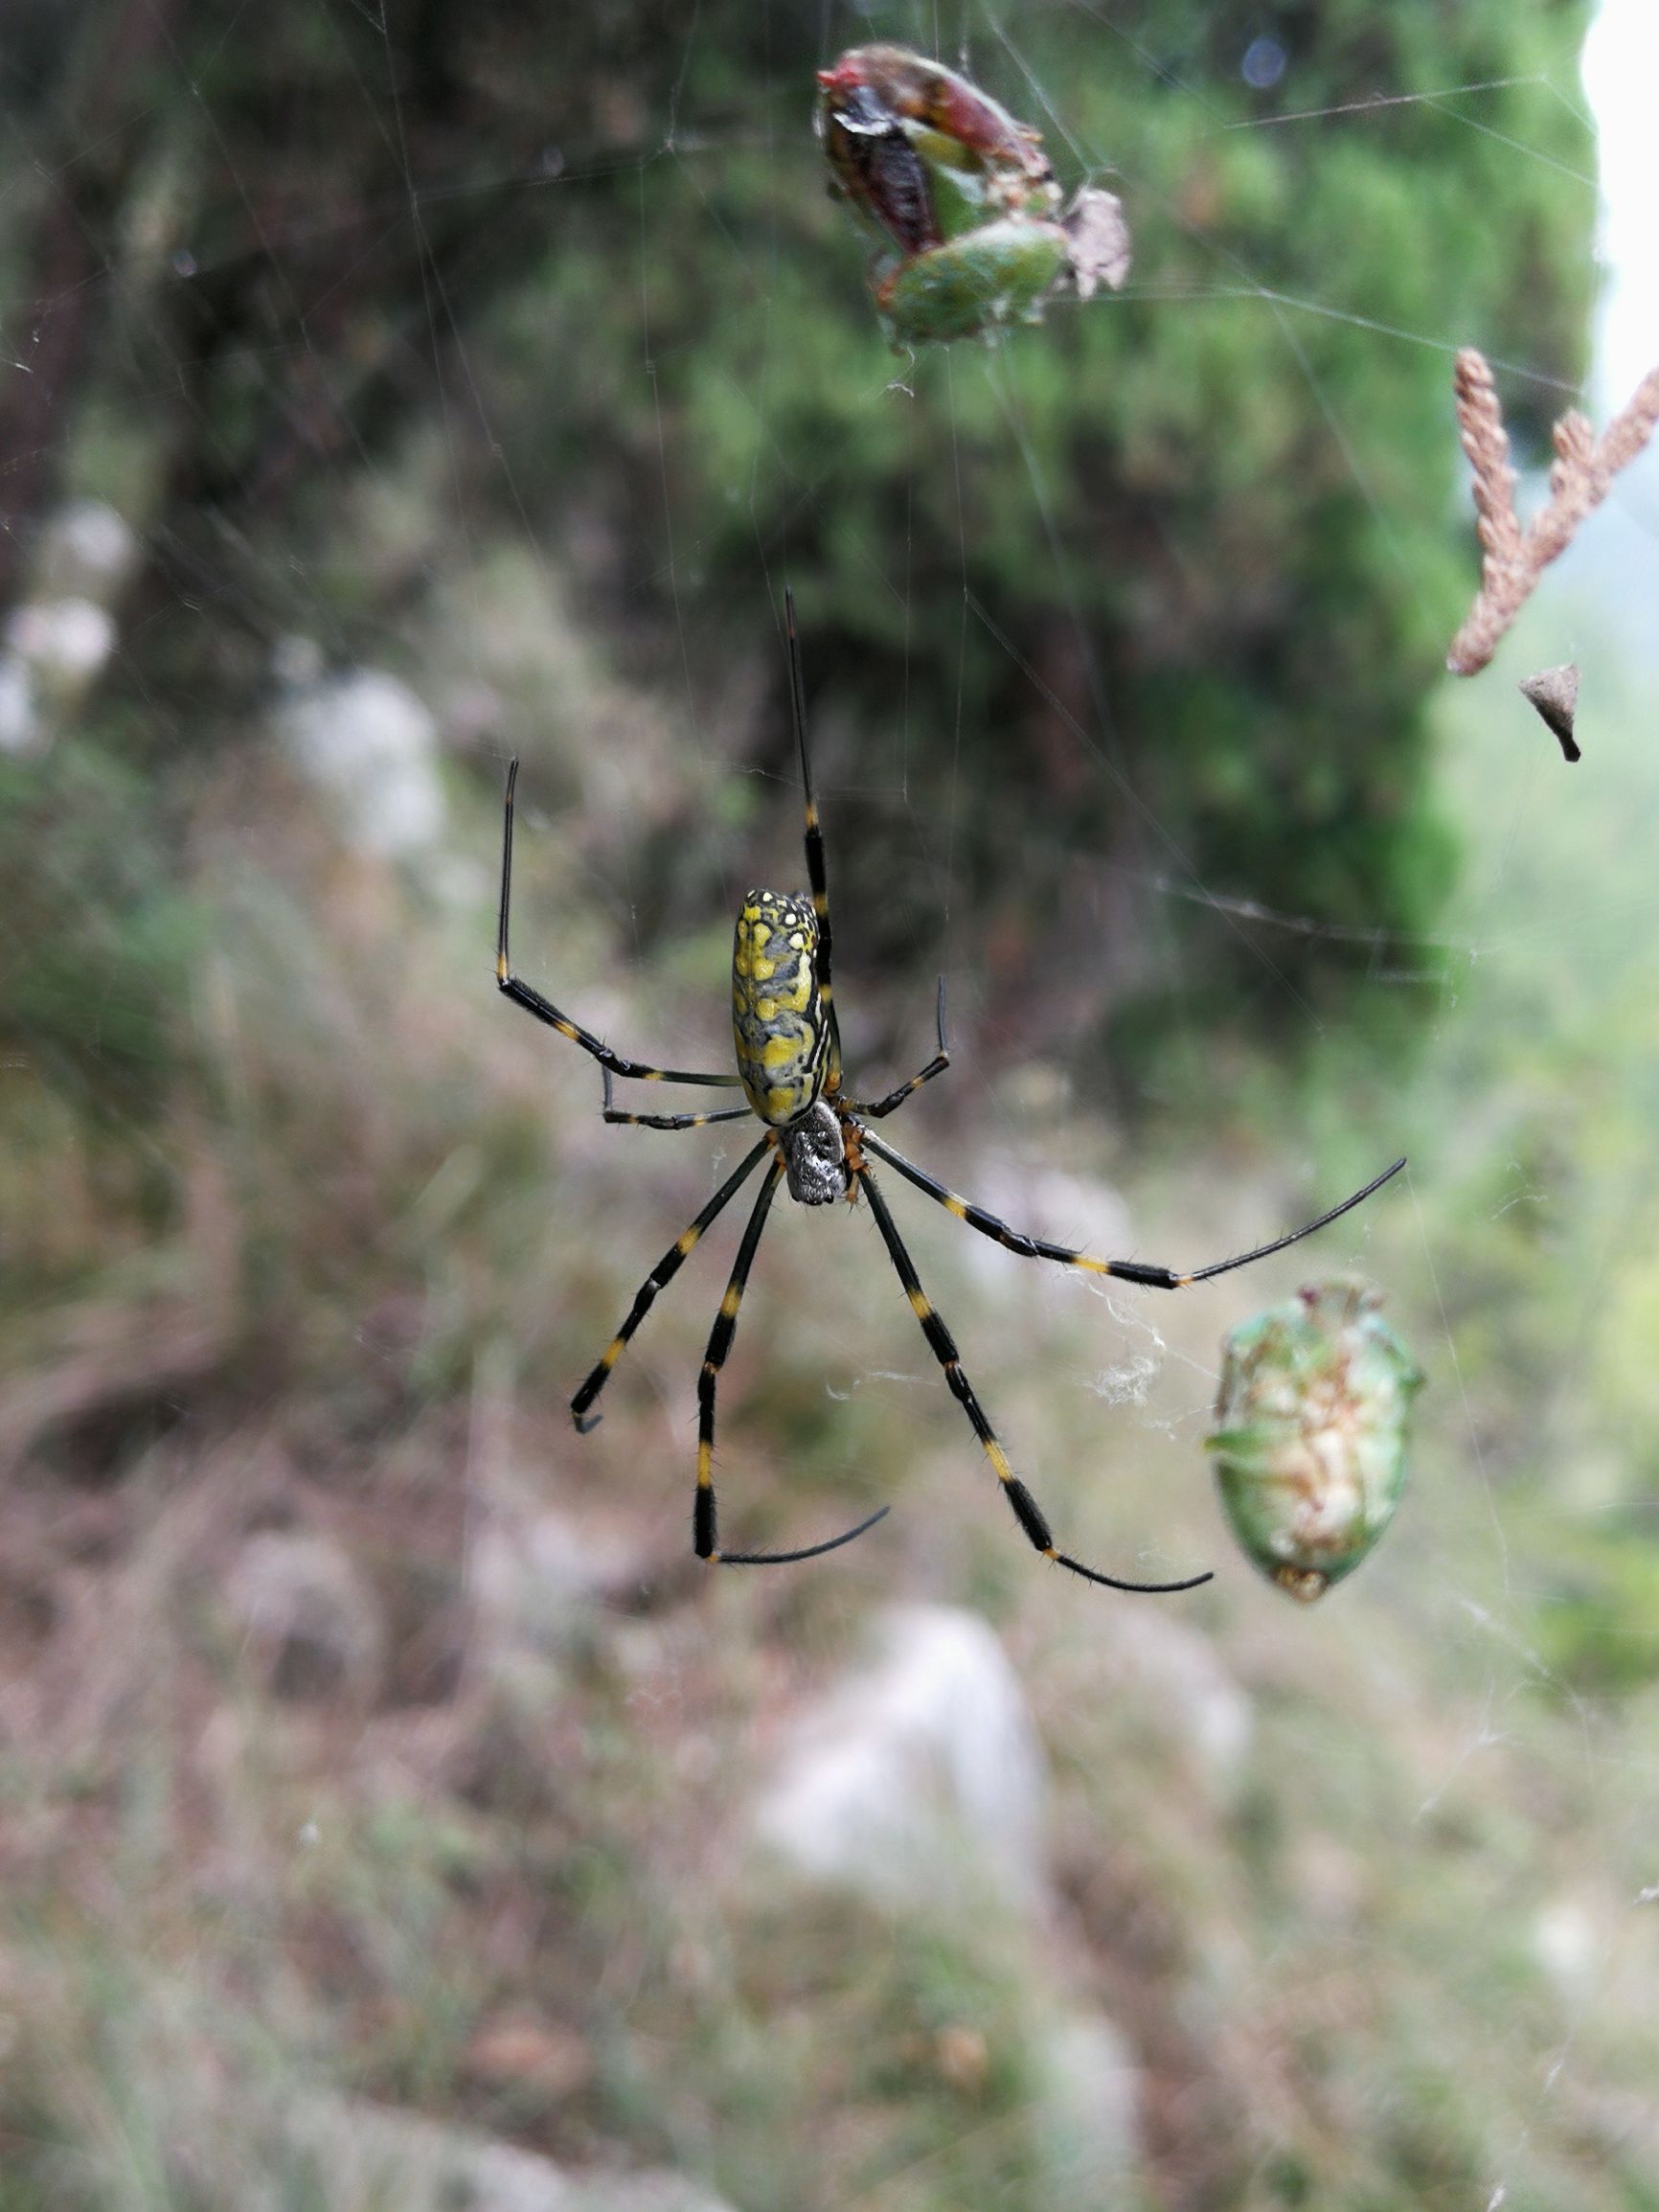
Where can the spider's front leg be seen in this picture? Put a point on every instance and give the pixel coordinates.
(937, 1065)
(523, 994)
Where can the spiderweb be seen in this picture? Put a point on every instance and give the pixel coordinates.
(1364, 1892)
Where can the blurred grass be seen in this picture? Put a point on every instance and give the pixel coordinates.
(1390, 1959)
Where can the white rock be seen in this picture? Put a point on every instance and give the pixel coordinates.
(537, 1576)
(1570, 1947)
(297, 660)
(312, 1620)
(20, 726)
(372, 2157)
(371, 747)
(64, 641)
(89, 548)
(1179, 1666)
(918, 1775)
(1087, 2107)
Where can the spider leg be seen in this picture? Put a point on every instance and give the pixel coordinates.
(522, 995)
(937, 1065)
(704, 1531)
(816, 875)
(664, 1271)
(614, 1113)
(1292, 1235)
(1126, 1270)
(943, 1346)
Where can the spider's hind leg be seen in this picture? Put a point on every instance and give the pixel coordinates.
(705, 1530)
(943, 1345)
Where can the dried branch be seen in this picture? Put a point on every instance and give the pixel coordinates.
(1512, 559)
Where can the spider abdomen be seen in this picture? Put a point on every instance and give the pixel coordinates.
(780, 1023)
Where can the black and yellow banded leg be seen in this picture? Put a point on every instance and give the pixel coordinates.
(664, 1271)
(1124, 1271)
(613, 1113)
(522, 995)
(817, 876)
(705, 1533)
(937, 1065)
(943, 1345)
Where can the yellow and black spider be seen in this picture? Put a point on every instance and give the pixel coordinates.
(789, 1054)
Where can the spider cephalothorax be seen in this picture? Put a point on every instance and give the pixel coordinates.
(814, 1135)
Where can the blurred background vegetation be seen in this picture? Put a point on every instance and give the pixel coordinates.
(385, 392)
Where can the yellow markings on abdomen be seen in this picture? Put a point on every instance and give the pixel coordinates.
(777, 1015)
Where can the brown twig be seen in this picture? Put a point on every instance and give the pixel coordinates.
(1512, 559)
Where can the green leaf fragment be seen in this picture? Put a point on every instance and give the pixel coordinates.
(1001, 273)
(1309, 1445)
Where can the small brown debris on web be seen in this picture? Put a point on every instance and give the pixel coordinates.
(1554, 693)
(1512, 559)
(1098, 248)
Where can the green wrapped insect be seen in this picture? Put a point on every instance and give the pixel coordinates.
(1311, 1430)
(962, 194)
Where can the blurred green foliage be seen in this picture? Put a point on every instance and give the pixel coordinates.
(1202, 530)
(96, 936)
(1158, 589)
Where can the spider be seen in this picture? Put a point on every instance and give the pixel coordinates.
(819, 1141)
